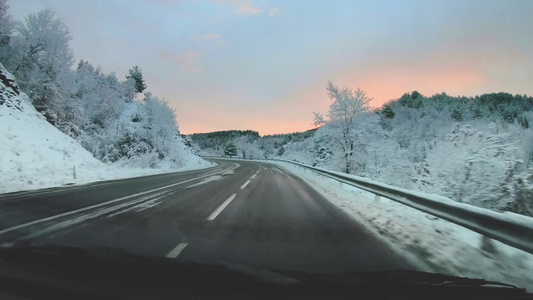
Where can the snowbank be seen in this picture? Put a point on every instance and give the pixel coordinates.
(432, 243)
(34, 154)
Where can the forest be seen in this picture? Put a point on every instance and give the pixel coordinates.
(117, 119)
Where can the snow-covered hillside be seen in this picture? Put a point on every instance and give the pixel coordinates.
(34, 154)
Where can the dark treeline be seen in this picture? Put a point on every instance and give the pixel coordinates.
(493, 106)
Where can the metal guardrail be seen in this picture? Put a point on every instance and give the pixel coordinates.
(509, 228)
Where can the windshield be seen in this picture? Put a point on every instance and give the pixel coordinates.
(319, 137)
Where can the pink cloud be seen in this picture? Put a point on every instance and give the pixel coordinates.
(242, 7)
(248, 9)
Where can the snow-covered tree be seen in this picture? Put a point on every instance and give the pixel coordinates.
(159, 123)
(6, 30)
(346, 107)
(517, 194)
(41, 60)
(246, 144)
(469, 165)
(102, 98)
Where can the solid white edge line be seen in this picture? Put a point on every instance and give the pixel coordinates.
(221, 208)
(245, 184)
(176, 251)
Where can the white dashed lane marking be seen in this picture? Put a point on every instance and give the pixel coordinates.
(221, 208)
(245, 184)
(176, 251)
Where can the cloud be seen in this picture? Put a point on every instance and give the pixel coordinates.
(186, 61)
(242, 7)
(248, 9)
(205, 37)
(274, 11)
(212, 38)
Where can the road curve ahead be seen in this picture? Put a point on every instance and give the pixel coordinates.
(239, 212)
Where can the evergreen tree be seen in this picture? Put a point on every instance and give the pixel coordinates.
(230, 150)
(388, 112)
(281, 151)
(137, 76)
(457, 115)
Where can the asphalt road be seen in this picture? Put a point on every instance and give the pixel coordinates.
(240, 212)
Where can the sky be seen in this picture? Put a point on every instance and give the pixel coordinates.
(264, 65)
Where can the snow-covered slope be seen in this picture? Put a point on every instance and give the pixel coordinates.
(32, 151)
(34, 154)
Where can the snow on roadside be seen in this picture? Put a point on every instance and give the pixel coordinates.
(433, 244)
(34, 154)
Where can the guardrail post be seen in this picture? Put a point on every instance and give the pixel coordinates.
(487, 245)
(377, 198)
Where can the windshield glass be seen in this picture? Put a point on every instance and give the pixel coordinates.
(321, 137)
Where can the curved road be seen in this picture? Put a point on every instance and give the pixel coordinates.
(239, 212)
